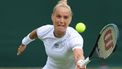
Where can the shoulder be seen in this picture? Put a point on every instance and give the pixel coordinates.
(44, 30)
(73, 32)
(71, 29)
(75, 39)
(74, 35)
(45, 27)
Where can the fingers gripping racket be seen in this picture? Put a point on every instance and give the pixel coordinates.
(105, 43)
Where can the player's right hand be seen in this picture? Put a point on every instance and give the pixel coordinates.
(21, 49)
(78, 65)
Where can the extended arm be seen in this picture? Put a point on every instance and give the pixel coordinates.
(26, 40)
(78, 57)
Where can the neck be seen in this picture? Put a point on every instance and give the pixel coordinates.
(58, 35)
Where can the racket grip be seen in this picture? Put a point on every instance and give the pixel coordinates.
(84, 62)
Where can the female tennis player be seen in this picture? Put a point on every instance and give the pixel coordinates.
(63, 44)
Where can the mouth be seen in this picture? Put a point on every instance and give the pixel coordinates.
(60, 25)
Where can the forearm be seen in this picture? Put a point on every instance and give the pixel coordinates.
(78, 55)
(26, 40)
(78, 58)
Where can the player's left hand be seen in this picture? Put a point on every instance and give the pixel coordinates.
(21, 49)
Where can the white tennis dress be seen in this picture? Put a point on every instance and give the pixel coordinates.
(59, 50)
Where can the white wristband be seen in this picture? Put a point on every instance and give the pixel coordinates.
(27, 40)
(83, 62)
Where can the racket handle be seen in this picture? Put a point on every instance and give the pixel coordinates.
(85, 62)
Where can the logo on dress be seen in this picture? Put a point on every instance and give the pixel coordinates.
(56, 45)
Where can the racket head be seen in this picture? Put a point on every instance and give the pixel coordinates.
(107, 40)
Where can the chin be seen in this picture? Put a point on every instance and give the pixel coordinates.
(61, 32)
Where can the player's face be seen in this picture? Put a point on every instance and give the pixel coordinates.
(61, 19)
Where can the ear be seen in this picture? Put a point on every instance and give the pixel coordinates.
(52, 16)
(70, 20)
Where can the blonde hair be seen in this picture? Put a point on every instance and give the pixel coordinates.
(63, 4)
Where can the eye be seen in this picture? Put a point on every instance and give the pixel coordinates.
(66, 17)
(58, 16)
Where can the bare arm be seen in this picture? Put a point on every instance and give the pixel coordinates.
(78, 55)
(33, 34)
(22, 47)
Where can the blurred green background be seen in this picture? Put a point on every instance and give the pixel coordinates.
(19, 17)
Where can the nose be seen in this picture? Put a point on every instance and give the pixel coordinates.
(61, 21)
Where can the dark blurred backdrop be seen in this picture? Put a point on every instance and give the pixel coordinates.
(19, 17)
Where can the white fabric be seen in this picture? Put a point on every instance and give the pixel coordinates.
(59, 50)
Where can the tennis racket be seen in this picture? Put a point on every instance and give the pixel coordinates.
(105, 43)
